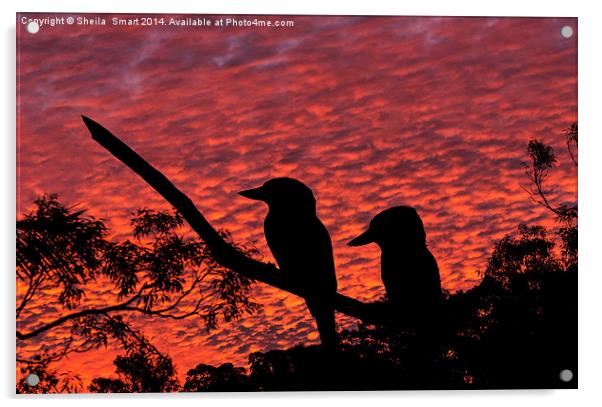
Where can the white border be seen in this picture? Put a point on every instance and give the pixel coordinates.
(590, 35)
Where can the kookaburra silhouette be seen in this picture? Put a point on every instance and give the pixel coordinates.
(302, 247)
(408, 269)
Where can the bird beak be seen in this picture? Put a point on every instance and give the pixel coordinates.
(362, 239)
(257, 194)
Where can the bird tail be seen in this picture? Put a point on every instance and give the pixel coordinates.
(323, 313)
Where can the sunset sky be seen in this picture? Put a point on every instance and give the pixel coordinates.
(374, 112)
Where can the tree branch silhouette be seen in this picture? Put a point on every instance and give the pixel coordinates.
(124, 306)
(542, 159)
(223, 253)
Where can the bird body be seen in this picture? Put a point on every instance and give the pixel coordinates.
(301, 245)
(302, 248)
(411, 280)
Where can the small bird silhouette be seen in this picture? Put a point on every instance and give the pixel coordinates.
(302, 247)
(408, 269)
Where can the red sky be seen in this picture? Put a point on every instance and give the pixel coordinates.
(369, 112)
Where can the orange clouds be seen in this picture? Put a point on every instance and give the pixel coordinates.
(370, 112)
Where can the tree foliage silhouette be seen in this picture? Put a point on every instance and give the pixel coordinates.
(142, 370)
(158, 272)
(51, 380)
(543, 159)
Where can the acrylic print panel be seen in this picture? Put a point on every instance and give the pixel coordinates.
(260, 203)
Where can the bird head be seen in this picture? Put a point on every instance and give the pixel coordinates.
(283, 194)
(399, 226)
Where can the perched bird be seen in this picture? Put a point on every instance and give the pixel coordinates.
(408, 269)
(302, 247)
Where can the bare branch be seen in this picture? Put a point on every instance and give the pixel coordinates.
(124, 306)
(572, 137)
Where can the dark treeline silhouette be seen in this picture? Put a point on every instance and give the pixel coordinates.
(516, 329)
